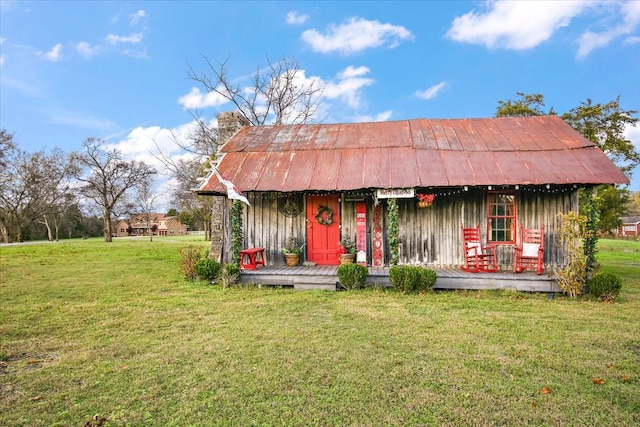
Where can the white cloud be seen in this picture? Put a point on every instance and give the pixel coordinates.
(431, 92)
(54, 55)
(356, 35)
(380, 117)
(132, 38)
(196, 99)
(86, 50)
(135, 18)
(294, 18)
(515, 24)
(347, 85)
(591, 40)
(632, 133)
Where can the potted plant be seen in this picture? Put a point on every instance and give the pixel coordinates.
(346, 250)
(425, 200)
(292, 251)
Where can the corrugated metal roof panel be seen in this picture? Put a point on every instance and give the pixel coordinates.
(518, 137)
(483, 165)
(403, 172)
(325, 173)
(565, 134)
(300, 171)
(431, 168)
(412, 153)
(422, 135)
(541, 167)
(457, 167)
(512, 167)
(377, 168)
(351, 169)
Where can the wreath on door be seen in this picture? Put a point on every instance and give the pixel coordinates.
(320, 215)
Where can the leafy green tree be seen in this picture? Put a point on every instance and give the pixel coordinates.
(634, 203)
(612, 203)
(604, 125)
(525, 106)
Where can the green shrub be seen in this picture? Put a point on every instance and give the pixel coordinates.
(207, 269)
(605, 286)
(412, 278)
(352, 276)
(189, 257)
(229, 276)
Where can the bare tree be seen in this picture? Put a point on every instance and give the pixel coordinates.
(277, 94)
(32, 186)
(186, 172)
(109, 177)
(146, 202)
(6, 146)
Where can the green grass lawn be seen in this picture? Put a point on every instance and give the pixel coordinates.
(89, 328)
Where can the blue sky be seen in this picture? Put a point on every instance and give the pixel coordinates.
(118, 69)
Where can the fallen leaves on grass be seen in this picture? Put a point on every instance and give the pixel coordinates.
(545, 390)
(99, 421)
(598, 381)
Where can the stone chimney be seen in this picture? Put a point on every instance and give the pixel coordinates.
(228, 124)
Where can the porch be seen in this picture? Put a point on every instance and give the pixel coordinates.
(325, 277)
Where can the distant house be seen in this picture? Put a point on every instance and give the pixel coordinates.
(320, 182)
(158, 223)
(630, 226)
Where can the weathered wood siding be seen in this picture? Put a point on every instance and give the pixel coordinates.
(432, 235)
(266, 227)
(429, 236)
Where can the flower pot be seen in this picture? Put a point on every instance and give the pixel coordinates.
(292, 259)
(347, 258)
(424, 204)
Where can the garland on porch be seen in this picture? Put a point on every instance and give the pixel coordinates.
(392, 208)
(237, 236)
(320, 215)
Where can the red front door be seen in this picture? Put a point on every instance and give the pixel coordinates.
(323, 239)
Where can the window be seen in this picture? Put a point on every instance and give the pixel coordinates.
(501, 217)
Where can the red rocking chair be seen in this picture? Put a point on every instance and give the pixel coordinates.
(477, 257)
(529, 252)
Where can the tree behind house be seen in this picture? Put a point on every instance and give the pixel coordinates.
(106, 178)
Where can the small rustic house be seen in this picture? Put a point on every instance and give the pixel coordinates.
(319, 182)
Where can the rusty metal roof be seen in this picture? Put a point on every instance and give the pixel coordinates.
(412, 153)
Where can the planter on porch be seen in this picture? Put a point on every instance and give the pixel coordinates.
(292, 259)
(347, 258)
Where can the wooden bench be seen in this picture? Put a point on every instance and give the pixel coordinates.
(250, 258)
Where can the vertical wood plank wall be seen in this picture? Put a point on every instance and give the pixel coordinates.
(429, 236)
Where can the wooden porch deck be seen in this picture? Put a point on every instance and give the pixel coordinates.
(325, 277)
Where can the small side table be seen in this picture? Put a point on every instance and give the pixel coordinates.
(251, 258)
